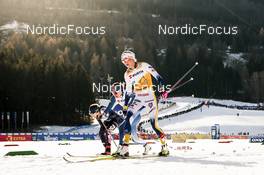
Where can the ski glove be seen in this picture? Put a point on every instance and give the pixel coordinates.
(125, 108)
(164, 95)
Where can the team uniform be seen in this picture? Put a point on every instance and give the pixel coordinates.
(139, 84)
(133, 123)
(115, 118)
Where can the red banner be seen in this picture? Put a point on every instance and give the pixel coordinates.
(6, 138)
(234, 137)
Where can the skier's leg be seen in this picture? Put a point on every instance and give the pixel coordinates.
(121, 132)
(127, 128)
(134, 120)
(133, 108)
(152, 109)
(105, 138)
(127, 132)
(153, 114)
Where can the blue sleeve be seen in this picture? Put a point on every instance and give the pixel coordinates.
(160, 80)
(110, 105)
(129, 98)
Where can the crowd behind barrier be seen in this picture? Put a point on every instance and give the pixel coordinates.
(260, 106)
(189, 109)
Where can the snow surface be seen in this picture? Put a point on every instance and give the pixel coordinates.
(232, 121)
(239, 157)
(202, 157)
(201, 120)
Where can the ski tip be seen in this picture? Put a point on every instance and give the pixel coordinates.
(196, 63)
(191, 79)
(64, 158)
(69, 154)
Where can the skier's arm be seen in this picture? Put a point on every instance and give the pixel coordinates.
(154, 73)
(129, 96)
(110, 105)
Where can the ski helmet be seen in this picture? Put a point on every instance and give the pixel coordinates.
(94, 108)
(128, 54)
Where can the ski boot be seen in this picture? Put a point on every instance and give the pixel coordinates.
(164, 150)
(124, 150)
(107, 150)
(147, 148)
(117, 153)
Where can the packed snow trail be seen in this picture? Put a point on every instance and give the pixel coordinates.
(202, 157)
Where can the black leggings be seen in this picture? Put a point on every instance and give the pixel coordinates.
(112, 121)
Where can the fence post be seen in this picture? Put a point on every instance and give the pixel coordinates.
(8, 121)
(15, 121)
(22, 120)
(27, 120)
(3, 120)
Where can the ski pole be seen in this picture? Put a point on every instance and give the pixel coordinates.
(180, 85)
(176, 84)
(102, 124)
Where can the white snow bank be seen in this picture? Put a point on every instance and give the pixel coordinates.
(201, 158)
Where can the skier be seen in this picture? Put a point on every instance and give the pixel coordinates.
(138, 78)
(114, 118)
